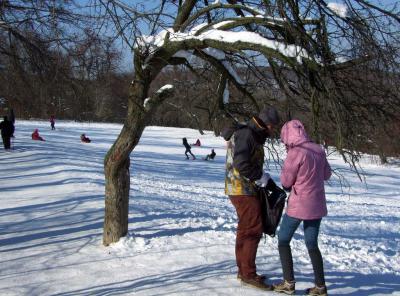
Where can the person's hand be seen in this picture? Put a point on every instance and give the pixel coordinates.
(263, 181)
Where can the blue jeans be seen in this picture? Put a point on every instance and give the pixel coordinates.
(288, 227)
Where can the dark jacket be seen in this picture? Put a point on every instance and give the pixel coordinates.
(185, 143)
(245, 157)
(7, 129)
(11, 118)
(212, 154)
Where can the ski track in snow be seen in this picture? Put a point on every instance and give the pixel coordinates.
(181, 225)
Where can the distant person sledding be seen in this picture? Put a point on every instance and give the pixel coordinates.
(197, 143)
(187, 146)
(211, 155)
(36, 136)
(85, 139)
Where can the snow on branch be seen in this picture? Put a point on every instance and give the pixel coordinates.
(231, 23)
(165, 88)
(220, 55)
(147, 103)
(338, 8)
(188, 55)
(243, 40)
(161, 94)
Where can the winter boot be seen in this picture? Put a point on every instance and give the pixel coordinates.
(261, 276)
(317, 291)
(286, 287)
(256, 282)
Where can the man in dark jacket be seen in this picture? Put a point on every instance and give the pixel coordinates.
(7, 131)
(244, 171)
(187, 147)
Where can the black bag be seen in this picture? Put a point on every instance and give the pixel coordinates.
(272, 203)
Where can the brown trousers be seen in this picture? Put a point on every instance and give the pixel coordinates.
(248, 234)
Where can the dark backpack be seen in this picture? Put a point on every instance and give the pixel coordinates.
(272, 203)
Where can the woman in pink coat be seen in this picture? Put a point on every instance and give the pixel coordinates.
(303, 174)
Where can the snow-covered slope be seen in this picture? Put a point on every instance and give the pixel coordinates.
(181, 225)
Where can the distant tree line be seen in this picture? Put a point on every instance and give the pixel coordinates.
(87, 84)
(80, 82)
(56, 58)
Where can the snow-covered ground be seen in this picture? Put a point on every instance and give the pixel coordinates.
(181, 225)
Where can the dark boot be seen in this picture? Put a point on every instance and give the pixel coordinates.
(256, 282)
(261, 276)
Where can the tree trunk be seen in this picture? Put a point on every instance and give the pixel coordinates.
(116, 168)
(116, 201)
(116, 162)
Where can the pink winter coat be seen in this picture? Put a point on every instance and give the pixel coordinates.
(304, 170)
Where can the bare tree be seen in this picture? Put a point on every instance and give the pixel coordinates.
(301, 41)
(52, 55)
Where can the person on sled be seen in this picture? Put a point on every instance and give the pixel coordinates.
(36, 136)
(85, 139)
(211, 155)
(197, 143)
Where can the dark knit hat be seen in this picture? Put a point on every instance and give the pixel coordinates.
(269, 115)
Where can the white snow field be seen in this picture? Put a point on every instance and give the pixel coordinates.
(181, 225)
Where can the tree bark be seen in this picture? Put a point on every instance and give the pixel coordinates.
(116, 202)
(117, 161)
(117, 176)
(116, 167)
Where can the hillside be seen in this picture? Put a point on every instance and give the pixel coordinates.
(181, 225)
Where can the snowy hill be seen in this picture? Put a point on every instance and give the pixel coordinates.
(182, 226)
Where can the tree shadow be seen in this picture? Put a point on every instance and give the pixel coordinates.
(339, 283)
(191, 275)
(362, 284)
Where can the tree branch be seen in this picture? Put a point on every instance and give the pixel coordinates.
(183, 14)
(211, 7)
(221, 68)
